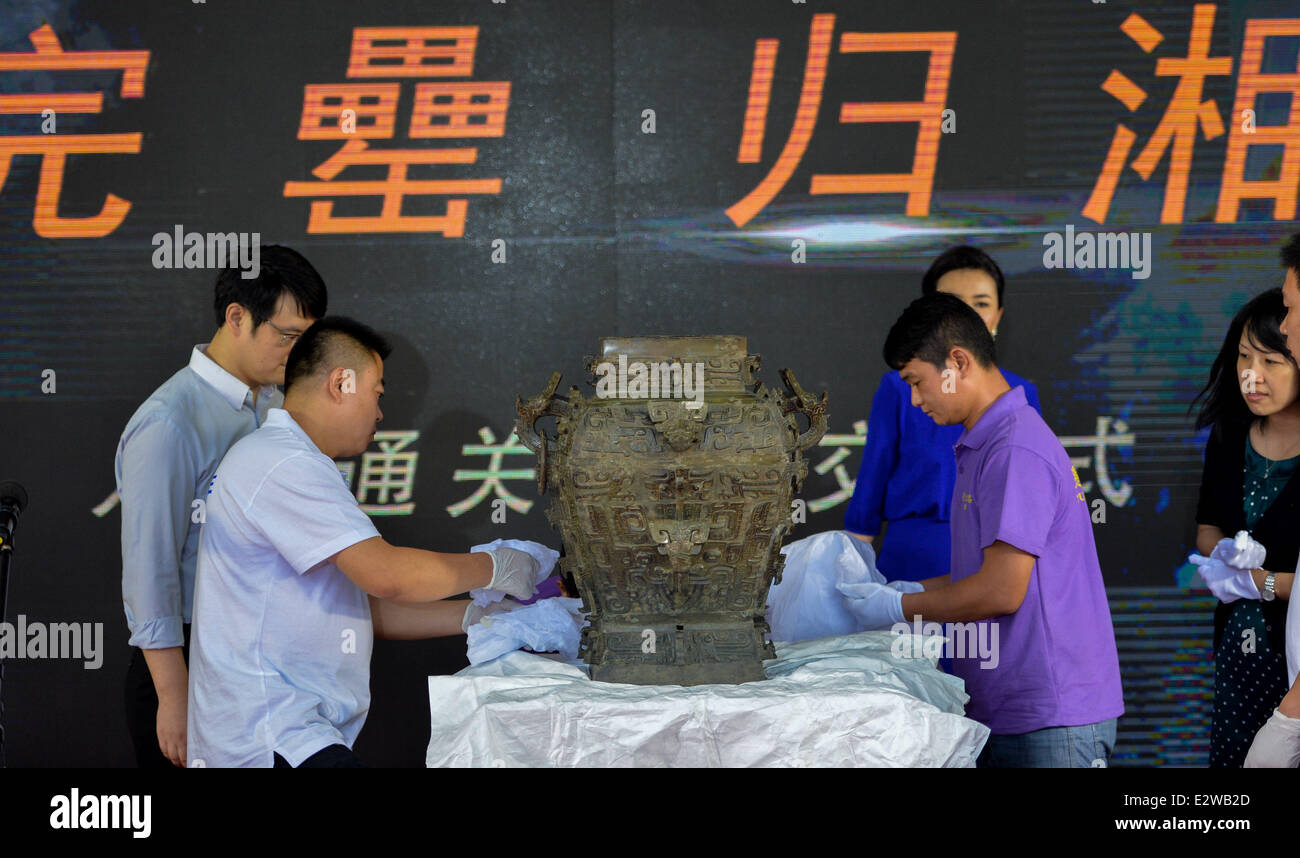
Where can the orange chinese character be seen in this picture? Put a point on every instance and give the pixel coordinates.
(927, 113)
(340, 111)
(413, 52)
(54, 149)
(1252, 82)
(1176, 132)
(454, 103)
(393, 189)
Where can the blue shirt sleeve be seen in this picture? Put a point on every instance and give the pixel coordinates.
(879, 459)
(1031, 392)
(156, 477)
(1031, 396)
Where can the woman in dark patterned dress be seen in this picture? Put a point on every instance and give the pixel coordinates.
(1253, 402)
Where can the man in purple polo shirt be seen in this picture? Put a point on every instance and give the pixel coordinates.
(1023, 556)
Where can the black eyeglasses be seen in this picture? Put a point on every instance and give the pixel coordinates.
(286, 337)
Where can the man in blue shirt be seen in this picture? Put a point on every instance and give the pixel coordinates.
(165, 460)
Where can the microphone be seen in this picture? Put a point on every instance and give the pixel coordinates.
(13, 498)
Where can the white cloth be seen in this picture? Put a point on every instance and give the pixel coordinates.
(1276, 745)
(281, 643)
(547, 625)
(839, 701)
(806, 604)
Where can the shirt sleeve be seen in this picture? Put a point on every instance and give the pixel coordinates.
(156, 484)
(1031, 396)
(1017, 496)
(865, 514)
(306, 512)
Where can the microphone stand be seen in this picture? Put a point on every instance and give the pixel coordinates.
(13, 497)
(6, 555)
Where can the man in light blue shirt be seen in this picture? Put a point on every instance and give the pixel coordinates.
(165, 460)
(294, 581)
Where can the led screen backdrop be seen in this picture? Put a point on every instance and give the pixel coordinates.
(496, 185)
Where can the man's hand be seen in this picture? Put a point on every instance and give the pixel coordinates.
(514, 572)
(173, 708)
(171, 681)
(997, 589)
(549, 589)
(876, 606)
(475, 614)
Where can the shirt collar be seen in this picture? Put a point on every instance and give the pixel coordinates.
(994, 415)
(281, 417)
(234, 391)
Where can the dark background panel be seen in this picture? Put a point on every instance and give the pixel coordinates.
(608, 230)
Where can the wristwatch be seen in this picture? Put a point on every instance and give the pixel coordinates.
(1267, 593)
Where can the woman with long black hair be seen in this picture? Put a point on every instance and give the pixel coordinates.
(1252, 401)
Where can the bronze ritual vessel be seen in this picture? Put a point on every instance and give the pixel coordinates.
(672, 492)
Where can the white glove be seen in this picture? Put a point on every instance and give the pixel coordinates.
(876, 606)
(906, 586)
(545, 557)
(1239, 586)
(1276, 745)
(514, 572)
(1225, 582)
(1242, 552)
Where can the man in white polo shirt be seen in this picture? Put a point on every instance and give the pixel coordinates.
(168, 453)
(294, 580)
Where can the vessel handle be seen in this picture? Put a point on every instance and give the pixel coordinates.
(801, 401)
(544, 404)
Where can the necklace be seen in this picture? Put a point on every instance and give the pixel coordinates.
(1269, 462)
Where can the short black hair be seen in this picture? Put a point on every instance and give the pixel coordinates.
(1291, 254)
(1261, 321)
(330, 342)
(282, 269)
(957, 259)
(931, 326)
